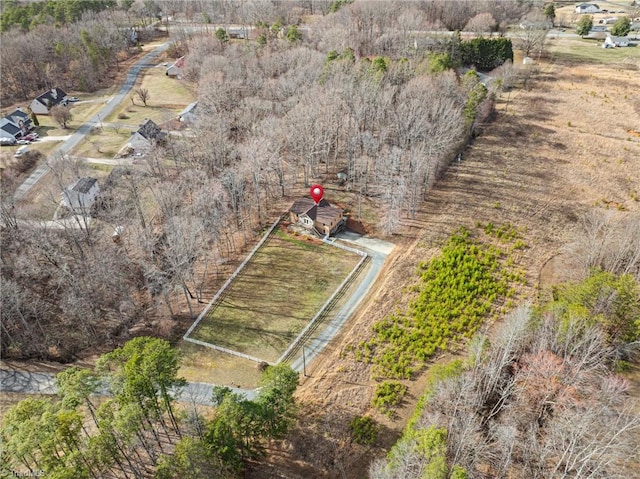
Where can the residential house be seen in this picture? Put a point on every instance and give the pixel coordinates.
(175, 70)
(80, 196)
(613, 42)
(9, 130)
(189, 115)
(142, 140)
(321, 218)
(43, 103)
(587, 8)
(15, 125)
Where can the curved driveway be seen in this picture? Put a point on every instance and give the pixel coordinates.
(74, 139)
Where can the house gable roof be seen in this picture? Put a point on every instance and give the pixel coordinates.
(304, 205)
(84, 185)
(150, 131)
(51, 97)
(322, 212)
(8, 126)
(191, 108)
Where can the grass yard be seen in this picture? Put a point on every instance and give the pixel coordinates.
(275, 296)
(103, 143)
(167, 98)
(591, 51)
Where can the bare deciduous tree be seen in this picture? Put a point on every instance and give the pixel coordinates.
(143, 95)
(62, 115)
(481, 23)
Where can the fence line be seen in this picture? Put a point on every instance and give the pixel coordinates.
(321, 311)
(225, 350)
(229, 279)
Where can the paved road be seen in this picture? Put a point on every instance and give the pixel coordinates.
(25, 382)
(74, 139)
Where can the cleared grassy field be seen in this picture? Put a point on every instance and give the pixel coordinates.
(580, 51)
(167, 98)
(275, 296)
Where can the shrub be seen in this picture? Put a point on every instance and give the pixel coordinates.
(364, 430)
(388, 395)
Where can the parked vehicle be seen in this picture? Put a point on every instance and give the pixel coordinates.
(7, 141)
(23, 142)
(21, 151)
(31, 137)
(71, 98)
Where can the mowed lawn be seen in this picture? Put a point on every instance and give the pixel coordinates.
(276, 295)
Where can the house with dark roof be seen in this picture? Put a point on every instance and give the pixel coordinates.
(80, 196)
(321, 218)
(143, 139)
(15, 125)
(9, 130)
(43, 103)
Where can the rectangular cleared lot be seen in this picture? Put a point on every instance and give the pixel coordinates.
(275, 295)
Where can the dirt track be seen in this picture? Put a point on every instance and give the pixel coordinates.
(541, 165)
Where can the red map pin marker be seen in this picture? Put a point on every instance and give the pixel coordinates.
(317, 192)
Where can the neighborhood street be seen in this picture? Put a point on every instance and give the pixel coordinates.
(26, 382)
(74, 139)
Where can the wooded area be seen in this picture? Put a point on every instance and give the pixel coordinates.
(271, 118)
(140, 431)
(357, 93)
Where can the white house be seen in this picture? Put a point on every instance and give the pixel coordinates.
(8, 129)
(587, 8)
(80, 196)
(43, 103)
(612, 42)
(175, 70)
(142, 140)
(189, 115)
(15, 125)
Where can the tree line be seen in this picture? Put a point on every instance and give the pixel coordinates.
(139, 430)
(73, 55)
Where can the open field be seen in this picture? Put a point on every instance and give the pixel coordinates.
(276, 294)
(103, 143)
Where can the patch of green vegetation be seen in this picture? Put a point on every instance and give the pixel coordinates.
(587, 51)
(388, 396)
(364, 430)
(604, 299)
(456, 292)
(297, 241)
